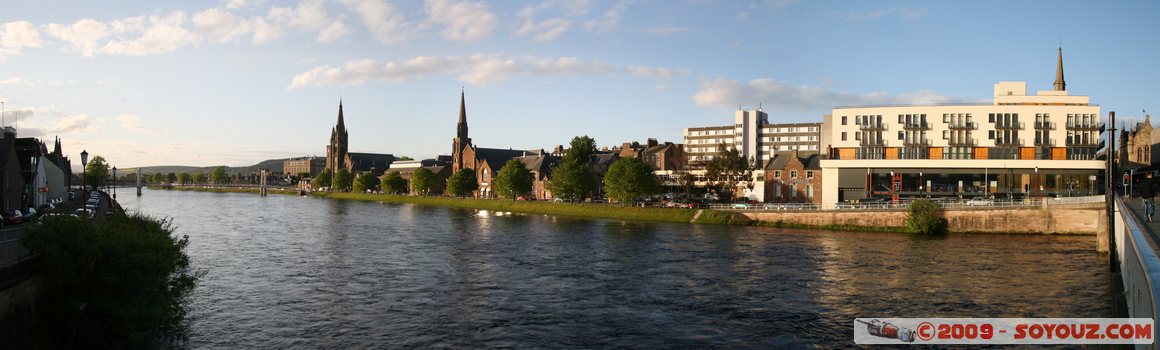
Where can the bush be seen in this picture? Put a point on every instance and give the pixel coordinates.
(925, 217)
(116, 282)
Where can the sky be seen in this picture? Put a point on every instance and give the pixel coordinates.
(235, 82)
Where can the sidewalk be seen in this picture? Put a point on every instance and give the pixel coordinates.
(1136, 205)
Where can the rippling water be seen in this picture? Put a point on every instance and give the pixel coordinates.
(300, 272)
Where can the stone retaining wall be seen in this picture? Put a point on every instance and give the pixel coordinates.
(1084, 221)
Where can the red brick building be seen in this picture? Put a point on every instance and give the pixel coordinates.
(794, 177)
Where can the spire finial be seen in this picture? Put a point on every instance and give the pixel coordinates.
(1060, 85)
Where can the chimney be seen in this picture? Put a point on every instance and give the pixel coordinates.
(652, 142)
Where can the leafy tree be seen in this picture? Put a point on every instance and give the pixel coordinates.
(393, 183)
(513, 179)
(462, 183)
(199, 178)
(114, 283)
(183, 178)
(629, 178)
(728, 169)
(342, 180)
(322, 180)
(406, 158)
(573, 177)
(219, 176)
(97, 172)
(422, 181)
(925, 218)
(171, 177)
(366, 181)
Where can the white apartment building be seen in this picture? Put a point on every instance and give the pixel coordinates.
(1017, 146)
(751, 133)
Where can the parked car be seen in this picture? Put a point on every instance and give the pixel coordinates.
(84, 213)
(980, 201)
(15, 217)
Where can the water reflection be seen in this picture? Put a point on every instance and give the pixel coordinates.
(301, 272)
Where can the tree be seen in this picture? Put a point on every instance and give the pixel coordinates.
(342, 180)
(97, 172)
(393, 183)
(727, 169)
(573, 178)
(406, 158)
(422, 181)
(366, 181)
(462, 183)
(183, 178)
(629, 178)
(925, 218)
(199, 178)
(171, 177)
(322, 180)
(219, 176)
(513, 179)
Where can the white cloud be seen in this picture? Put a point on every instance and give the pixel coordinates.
(333, 32)
(476, 70)
(904, 13)
(83, 35)
(220, 26)
(15, 36)
(129, 121)
(73, 123)
(386, 24)
(543, 31)
(235, 4)
(464, 21)
(778, 94)
(157, 36)
(607, 21)
(265, 32)
(28, 82)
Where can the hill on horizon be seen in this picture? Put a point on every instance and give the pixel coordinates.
(275, 165)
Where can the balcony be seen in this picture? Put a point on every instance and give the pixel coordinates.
(1085, 126)
(1097, 143)
(916, 142)
(963, 126)
(916, 126)
(1011, 142)
(961, 142)
(872, 126)
(1044, 143)
(1045, 125)
(1008, 125)
(872, 142)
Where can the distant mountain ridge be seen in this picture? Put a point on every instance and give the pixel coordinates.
(275, 165)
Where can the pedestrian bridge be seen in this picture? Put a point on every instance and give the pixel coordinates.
(1135, 256)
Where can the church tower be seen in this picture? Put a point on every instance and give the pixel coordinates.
(1060, 85)
(461, 139)
(336, 151)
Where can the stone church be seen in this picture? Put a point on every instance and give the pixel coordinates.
(1139, 146)
(488, 161)
(337, 156)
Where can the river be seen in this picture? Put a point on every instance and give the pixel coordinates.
(303, 272)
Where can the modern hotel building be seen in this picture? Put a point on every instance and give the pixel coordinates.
(1018, 145)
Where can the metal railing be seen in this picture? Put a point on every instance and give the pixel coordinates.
(1139, 266)
(872, 126)
(975, 203)
(1045, 125)
(1009, 125)
(916, 126)
(964, 125)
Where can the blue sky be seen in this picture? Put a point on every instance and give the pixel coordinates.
(235, 82)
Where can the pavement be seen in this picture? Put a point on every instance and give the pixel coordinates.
(1136, 205)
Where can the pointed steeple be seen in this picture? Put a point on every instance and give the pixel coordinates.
(1060, 85)
(340, 124)
(461, 128)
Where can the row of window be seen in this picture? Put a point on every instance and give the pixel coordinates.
(793, 192)
(791, 129)
(959, 152)
(960, 118)
(793, 174)
(793, 138)
(711, 132)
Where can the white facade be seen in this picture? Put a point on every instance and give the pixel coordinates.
(752, 133)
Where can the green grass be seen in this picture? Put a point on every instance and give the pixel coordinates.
(580, 210)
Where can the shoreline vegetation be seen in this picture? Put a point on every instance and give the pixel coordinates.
(678, 215)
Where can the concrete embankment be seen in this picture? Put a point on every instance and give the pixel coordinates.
(1088, 220)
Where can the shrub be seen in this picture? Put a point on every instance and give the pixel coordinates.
(117, 282)
(925, 217)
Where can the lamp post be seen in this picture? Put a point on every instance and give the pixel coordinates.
(84, 174)
(1036, 183)
(114, 183)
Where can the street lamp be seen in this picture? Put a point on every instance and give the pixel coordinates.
(114, 183)
(84, 170)
(1037, 183)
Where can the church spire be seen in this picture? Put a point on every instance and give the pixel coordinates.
(340, 125)
(1060, 85)
(461, 129)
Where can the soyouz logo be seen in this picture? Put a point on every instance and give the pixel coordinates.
(1004, 331)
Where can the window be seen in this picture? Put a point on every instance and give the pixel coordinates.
(991, 118)
(777, 190)
(857, 136)
(900, 134)
(793, 190)
(858, 119)
(777, 174)
(945, 134)
(843, 136)
(899, 119)
(793, 174)
(946, 118)
(991, 134)
(809, 174)
(843, 120)
(809, 191)
(486, 176)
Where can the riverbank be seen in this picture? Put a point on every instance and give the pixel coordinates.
(222, 189)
